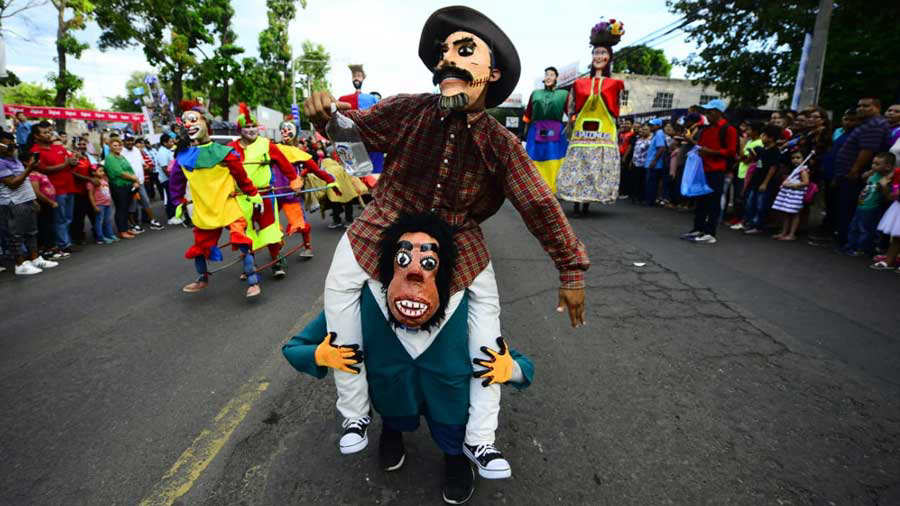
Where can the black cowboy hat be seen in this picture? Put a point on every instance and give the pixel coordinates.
(458, 18)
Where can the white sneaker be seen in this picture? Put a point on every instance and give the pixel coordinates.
(175, 221)
(26, 269)
(705, 239)
(355, 436)
(41, 263)
(737, 226)
(490, 462)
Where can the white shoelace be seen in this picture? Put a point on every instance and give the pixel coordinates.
(356, 423)
(483, 449)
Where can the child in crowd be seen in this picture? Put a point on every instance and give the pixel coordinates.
(46, 197)
(18, 215)
(101, 200)
(790, 197)
(890, 222)
(861, 236)
(761, 185)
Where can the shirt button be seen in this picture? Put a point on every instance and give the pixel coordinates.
(452, 136)
(445, 161)
(439, 185)
(433, 209)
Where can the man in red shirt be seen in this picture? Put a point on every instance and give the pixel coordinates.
(83, 173)
(57, 164)
(718, 148)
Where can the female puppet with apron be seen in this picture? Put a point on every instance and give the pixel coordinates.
(590, 172)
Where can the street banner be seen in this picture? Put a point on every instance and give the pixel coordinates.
(32, 111)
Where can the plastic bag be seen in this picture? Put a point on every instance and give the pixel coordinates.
(693, 182)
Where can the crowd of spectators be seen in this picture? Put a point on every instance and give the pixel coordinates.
(51, 186)
(768, 176)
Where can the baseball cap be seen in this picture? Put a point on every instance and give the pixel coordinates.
(715, 104)
(655, 122)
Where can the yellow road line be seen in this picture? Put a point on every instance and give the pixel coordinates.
(193, 461)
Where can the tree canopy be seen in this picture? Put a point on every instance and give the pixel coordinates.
(750, 49)
(41, 95)
(643, 60)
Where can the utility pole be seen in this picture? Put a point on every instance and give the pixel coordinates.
(293, 79)
(812, 83)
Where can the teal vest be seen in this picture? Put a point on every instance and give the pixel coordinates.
(435, 384)
(548, 105)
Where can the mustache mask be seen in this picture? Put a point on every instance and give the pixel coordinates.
(450, 71)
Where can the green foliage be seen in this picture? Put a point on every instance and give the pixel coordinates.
(11, 78)
(642, 60)
(168, 31)
(41, 95)
(312, 70)
(274, 69)
(64, 82)
(750, 49)
(214, 75)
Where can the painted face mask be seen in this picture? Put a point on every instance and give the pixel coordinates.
(250, 133)
(288, 131)
(195, 126)
(412, 295)
(464, 71)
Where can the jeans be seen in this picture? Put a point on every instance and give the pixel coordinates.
(848, 197)
(103, 224)
(449, 438)
(46, 230)
(861, 233)
(18, 222)
(709, 206)
(62, 218)
(755, 207)
(638, 177)
(141, 206)
(653, 178)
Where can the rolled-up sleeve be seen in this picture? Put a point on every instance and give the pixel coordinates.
(300, 350)
(544, 217)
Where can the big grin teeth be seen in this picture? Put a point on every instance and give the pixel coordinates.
(411, 309)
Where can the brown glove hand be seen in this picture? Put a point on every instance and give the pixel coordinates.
(341, 358)
(499, 368)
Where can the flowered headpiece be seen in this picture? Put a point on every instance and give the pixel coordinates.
(245, 118)
(607, 33)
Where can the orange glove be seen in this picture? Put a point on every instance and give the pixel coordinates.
(297, 184)
(341, 358)
(499, 369)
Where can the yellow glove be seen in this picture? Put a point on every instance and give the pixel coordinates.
(499, 369)
(341, 358)
(297, 184)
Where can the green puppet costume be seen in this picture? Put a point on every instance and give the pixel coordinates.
(435, 384)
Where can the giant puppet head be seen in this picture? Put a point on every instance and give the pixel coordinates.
(288, 132)
(604, 35)
(358, 75)
(196, 121)
(473, 61)
(416, 264)
(247, 123)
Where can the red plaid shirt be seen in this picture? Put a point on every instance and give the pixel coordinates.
(461, 167)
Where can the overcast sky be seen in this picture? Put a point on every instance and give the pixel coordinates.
(385, 39)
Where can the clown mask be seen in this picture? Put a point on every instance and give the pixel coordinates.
(288, 132)
(464, 71)
(412, 295)
(249, 133)
(196, 126)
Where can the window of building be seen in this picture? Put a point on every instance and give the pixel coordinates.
(623, 101)
(663, 100)
(705, 99)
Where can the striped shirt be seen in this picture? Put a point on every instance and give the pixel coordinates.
(461, 167)
(871, 135)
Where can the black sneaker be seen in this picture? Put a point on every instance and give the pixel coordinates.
(391, 451)
(459, 479)
(490, 462)
(155, 225)
(355, 437)
(137, 230)
(336, 224)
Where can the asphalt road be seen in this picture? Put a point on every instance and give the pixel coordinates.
(749, 372)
